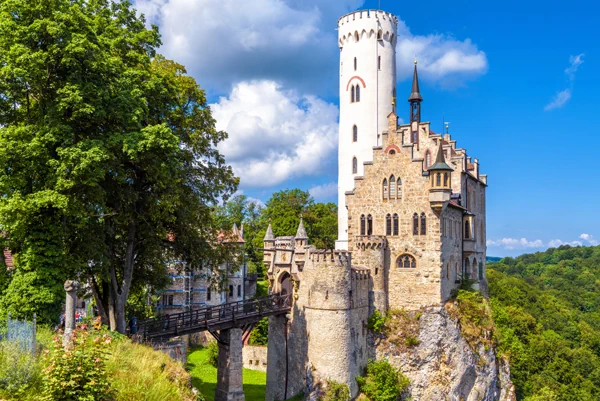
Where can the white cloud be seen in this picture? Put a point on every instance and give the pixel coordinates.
(516, 243)
(555, 243)
(289, 41)
(440, 57)
(227, 41)
(324, 192)
(559, 100)
(275, 134)
(589, 239)
(575, 61)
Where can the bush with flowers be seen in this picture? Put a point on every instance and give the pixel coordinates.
(78, 371)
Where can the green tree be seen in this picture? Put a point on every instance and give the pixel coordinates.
(108, 159)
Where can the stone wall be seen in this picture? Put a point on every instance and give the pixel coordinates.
(255, 357)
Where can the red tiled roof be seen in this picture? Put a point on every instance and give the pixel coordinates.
(8, 259)
(230, 236)
(452, 203)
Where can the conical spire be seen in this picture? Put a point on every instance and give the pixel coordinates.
(301, 233)
(269, 235)
(440, 160)
(415, 96)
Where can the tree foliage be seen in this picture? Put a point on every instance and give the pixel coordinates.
(107, 151)
(546, 307)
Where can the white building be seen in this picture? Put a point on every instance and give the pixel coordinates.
(367, 41)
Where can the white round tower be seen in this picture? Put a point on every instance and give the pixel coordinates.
(367, 41)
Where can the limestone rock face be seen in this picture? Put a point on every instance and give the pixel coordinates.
(444, 367)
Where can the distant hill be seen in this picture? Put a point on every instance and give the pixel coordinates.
(546, 307)
(491, 259)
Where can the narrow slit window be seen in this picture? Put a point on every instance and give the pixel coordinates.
(354, 165)
(388, 224)
(354, 133)
(415, 224)
(362, 224)
(379, 62)
(352, 94)
(355, 63)
(358, 93)
(423, 224)
(369, 225)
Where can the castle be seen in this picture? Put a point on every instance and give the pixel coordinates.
(411, 222)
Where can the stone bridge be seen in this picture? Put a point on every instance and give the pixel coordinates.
(230, 324)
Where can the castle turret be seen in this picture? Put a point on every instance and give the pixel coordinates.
(415, 100)
(301, 237)
(367, 41)
(440, 184)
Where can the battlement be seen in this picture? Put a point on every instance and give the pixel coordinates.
(327, 258)
(371, 242)
(366, 14)
(367, 24)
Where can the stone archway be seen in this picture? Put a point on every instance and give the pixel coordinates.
(285, 283)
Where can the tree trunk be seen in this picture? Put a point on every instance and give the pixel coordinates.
(99, 302)
(111, 310)
(120, 291)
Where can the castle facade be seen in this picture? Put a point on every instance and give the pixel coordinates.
(411, 220)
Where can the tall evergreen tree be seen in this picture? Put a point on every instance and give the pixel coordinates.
(108, 159)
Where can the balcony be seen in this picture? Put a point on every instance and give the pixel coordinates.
(469, 246)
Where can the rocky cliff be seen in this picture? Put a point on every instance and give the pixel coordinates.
(435, 350)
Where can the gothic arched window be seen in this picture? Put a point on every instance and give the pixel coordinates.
(392, 187)
(388, 224)
(354, 165)
(445, 179)
(358, 93)
(438, 179)
(362, 224)
(399, 188)
(352, 94)
(480, 270)
(354, 133)
(427, 159)
(423, 224)
(385, 189)
(379, 35)
(369, 225)
(406, 261)
(395, 224)
(415, 224)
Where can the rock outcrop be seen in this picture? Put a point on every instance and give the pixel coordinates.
(441, 365)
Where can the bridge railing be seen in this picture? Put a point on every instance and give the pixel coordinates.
(204, 318)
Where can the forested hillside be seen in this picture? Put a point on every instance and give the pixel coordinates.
(546, 307)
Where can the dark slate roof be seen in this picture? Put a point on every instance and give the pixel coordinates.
(440, 160)
(415, 94)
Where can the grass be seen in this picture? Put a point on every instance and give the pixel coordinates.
(136, 372)
(204, 377)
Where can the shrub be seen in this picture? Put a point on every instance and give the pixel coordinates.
(472, 311)
(19, 370)
(376, 322)
(213, 353)
(382, 381)
(77, 372)
(336, 391)
(411, 341)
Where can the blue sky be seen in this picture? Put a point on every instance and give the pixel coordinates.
(517, 81)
